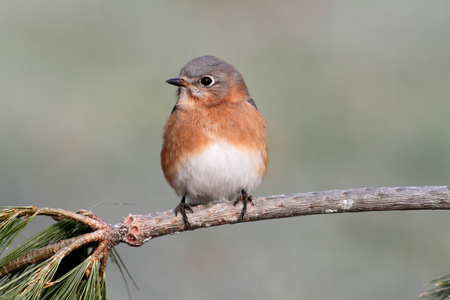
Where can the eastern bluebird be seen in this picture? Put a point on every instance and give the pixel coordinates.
(215, 139)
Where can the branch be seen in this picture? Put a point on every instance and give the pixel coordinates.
(138, 229)
(135, 230)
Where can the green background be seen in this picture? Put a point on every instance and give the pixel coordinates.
(356, 94)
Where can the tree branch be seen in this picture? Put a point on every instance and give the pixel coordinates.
(138, 229)
(135, 230)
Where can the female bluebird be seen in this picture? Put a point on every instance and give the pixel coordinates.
(215, 139)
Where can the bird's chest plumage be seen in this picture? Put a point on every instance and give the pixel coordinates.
(213, 156)
(218, 173)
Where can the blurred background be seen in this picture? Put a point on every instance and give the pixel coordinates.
(356, 94)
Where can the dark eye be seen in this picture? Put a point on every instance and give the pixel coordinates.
(207, 81)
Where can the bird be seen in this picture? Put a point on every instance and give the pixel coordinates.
(214, 142)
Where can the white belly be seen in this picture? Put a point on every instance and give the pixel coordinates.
(217, 174)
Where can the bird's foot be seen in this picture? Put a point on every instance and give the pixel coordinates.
(181, 208)
(245, 198)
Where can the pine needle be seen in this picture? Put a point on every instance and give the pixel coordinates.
(94, 287)
(30, 283)
(61, 230)
(35, 281)
(441, 289)
(11, 226)
(115, 257)
(70, 285)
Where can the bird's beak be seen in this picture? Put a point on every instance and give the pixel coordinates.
(176, 81)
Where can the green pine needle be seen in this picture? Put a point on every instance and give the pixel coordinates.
(441, 289)
(94, 287)
(61, 230)
(30, 283)
(115, 257)
(10, 227)
(66, 287)
(40, 280)
(72, 285)
(36, 281)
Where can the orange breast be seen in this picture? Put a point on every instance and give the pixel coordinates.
(189, 131)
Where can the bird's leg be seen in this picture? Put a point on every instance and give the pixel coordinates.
(245, 198)
(181, 208)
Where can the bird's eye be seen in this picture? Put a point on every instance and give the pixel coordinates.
(207, 81)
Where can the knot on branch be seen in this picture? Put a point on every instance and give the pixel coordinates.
(135, 230)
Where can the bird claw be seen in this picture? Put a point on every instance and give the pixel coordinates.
(245, 198)
(181, 208)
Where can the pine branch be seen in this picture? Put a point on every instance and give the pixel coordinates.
(141, 228)
(135, 230)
